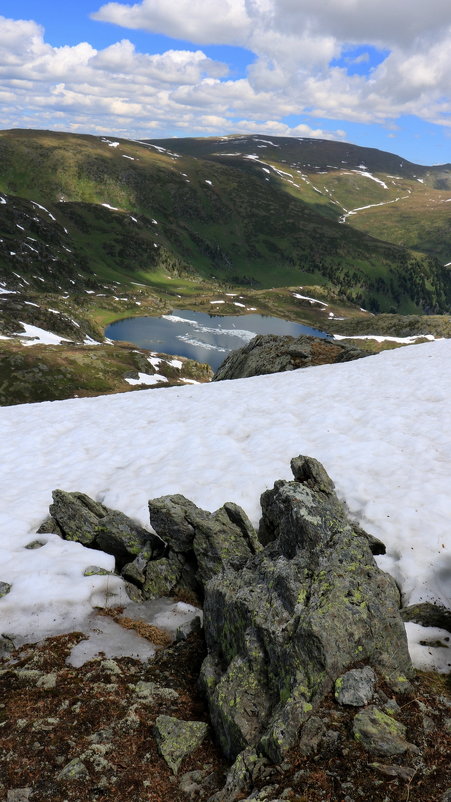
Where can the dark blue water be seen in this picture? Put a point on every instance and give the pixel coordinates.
(197, 335)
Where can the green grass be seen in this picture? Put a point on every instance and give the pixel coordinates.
(241, 230)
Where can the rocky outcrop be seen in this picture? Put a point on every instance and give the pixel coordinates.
(282, 629)
(271, 353)
(76, 516)
(190, 547)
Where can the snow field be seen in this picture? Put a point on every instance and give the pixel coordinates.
(380, 425)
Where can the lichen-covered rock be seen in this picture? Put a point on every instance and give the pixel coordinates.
(75, 770)
(428, 615)
(272, 353)
(5, 588)
(172, 518)
(176, 739)
(379, 733)
(76, 516)
(356, 687)
(283, 628)
(207, 541)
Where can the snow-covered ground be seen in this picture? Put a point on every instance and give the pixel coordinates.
(380, 425)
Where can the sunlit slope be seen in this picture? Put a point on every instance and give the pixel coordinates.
(371, 190)
(125, 210)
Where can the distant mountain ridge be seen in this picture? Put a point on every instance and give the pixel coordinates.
(85, 209)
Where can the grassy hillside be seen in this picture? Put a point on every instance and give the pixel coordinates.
(408, 202)
(135, 212)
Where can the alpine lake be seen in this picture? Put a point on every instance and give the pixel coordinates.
(201, 336)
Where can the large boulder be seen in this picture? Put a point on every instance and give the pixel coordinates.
(271, 353)
(300, 613)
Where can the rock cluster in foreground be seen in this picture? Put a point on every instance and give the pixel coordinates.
(291, 616)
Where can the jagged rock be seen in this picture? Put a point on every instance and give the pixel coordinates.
(428, 615)
(356, 687)
(283, 628)
(204, 542)
(380, 733)
(75, 770)
(176, 739)
(220, 542)
(5, 588)
(271, 353)
(171, 517)
(76, 516)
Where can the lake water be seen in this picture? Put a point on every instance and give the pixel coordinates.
(200, 336)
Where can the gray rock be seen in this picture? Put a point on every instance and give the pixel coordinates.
(35, 544)
(176, 739)
(379, 733)
(219, 542)
(75, 770)
(446, 796)
(205, 542)
(18, 794)
(78, 517)
(161, 577)
(171, 517)
(96, 570)
(428, 615)
(403, 772)
(281, 629)
(313, 732)
(271, 353)
(5, 588)
(356, 687)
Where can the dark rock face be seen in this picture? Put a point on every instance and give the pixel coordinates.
(209, 542)
(310, 606)
(271, 353)
(428, 615)
(75, 516)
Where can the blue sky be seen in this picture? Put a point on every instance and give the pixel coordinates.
(157, 68)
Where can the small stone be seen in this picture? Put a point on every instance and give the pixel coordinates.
(47, 682)
(356, 687)
(176, 739)
(95, 570)
(404, 772)
(380, 733)
(18, 794)
(75, 770)
(35, 544)
(111, 667)
(4, 588)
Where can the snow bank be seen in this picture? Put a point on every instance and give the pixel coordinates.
(380, 425)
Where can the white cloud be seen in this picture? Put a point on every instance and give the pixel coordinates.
(294, 42)
(200, 21)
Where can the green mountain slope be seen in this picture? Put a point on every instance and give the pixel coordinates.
(135, 212)
(387, 197)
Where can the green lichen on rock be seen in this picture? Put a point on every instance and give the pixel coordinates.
(295, 617)
(380, 733)
(176, 739)
(75, 770)
(5, 588)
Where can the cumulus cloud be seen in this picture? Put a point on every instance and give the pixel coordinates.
(200, 21)
(299, 66)
(294, 42)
